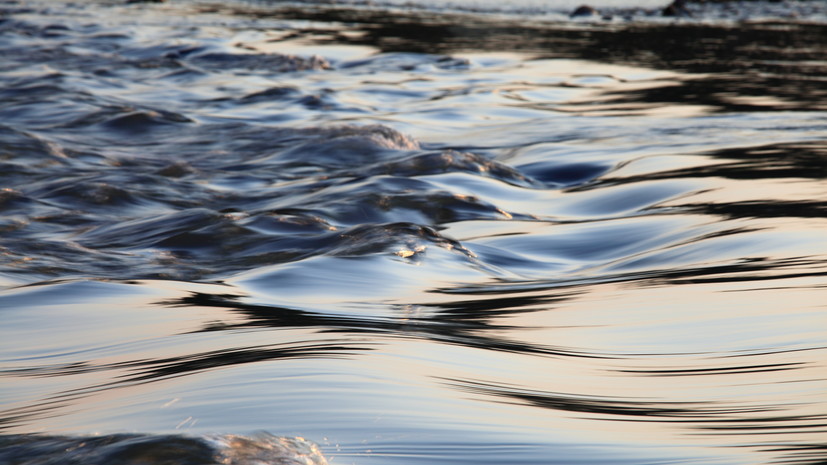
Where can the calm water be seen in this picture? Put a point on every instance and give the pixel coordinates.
(480, 233)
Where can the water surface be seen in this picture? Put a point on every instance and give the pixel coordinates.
(412, 234)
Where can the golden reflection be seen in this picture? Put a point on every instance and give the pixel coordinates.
(643, 281)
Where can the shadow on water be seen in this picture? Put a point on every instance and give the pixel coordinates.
(738, 64)
(799, 161)
(746, 270)
(805, 161)
(469, 324)
(466, 323)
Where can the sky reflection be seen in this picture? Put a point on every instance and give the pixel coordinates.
(601, 243)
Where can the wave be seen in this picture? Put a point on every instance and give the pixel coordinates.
(436, 234)
(160, 449)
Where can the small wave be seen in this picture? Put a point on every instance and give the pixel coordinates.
(144, 121)
(262, 448)
(257, 61)
(408, 62)
(375, 135)
(339, 147)
(270, 94)
(451, 161)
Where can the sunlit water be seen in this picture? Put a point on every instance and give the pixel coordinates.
(412, 235)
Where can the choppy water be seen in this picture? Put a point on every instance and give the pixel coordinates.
(464, 234)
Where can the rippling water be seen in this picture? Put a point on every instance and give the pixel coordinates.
(463, 234)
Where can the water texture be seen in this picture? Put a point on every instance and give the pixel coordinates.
(424, 233)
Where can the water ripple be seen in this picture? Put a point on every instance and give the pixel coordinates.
(417, 235)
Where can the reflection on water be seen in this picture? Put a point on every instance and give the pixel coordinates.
(603, 243)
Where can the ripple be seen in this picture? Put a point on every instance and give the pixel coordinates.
(418, 235)
(131, 448)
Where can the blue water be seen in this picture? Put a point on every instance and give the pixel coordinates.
(384, 234)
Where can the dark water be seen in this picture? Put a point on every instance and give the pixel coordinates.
(475, 234)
